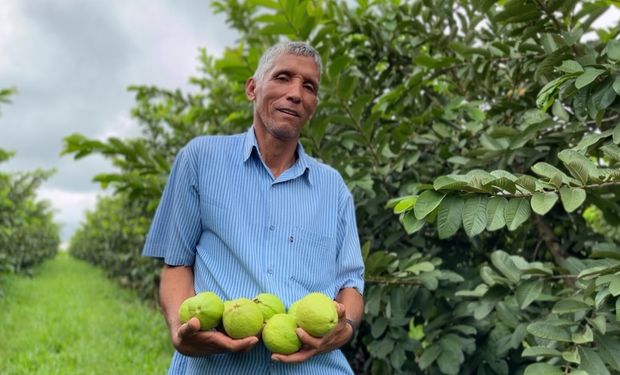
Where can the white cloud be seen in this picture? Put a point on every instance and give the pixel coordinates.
(69, 206)
(123, 126)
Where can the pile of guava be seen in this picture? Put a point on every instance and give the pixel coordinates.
(266, 314)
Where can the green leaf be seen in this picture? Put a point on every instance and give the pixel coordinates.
(612, 151)
(528, 291)
(570, 66)
(502, 261)
(613, 49)
(616, 85)
(589, 75)
(449, 216)
(579, 170)
(600, 323)
(543, 202)
(411, 223)
(590, 139)
(583, 337)
(517, 212)
(421, 267)
(451, 357)
(479, 291)
(548, 170)
(475, 215)
(405, 204)
(568, 305)
(572, 356)
(608, 349)
(548, 331)
(542, 369)
(495, 213)
(591, 362)
(540, 351)
(527, 182)
(448, 183)
(429, 356)
(427, 202)
(614, 286)
(616, 136)
(504, 183)
(571, 156)
(572, 198)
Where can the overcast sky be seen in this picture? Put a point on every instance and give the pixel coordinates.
(71, 62)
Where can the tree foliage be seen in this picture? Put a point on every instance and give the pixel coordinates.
(28, 233)
(474, 135)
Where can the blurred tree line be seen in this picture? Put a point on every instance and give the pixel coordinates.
(28, 233)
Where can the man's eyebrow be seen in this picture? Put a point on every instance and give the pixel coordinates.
(290, 73)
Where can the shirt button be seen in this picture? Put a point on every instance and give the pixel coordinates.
(270, 271)
(272, 227)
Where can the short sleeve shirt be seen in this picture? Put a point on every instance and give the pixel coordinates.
(246, 232)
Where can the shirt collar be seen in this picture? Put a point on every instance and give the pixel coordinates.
(301, 166)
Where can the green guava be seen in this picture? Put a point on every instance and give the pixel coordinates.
(292, 309)
(242, 318)
(229, 303)
(206, 306)
(279, 334)
(316, 313)
(269, 304)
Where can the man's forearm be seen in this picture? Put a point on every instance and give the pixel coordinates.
(353, 302)
(177, 284)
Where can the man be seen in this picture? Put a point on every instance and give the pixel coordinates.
(252, 213)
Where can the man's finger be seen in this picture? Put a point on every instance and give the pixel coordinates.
(308, 340)
(297, 357)
(244, 344)
(190, 328)
(340, 309)
(234, 345)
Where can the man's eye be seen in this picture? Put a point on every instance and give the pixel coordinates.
(282, 78)
(310, 87)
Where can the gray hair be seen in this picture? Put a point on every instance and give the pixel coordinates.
(268, 60)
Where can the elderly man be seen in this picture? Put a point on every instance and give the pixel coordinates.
(252, 213)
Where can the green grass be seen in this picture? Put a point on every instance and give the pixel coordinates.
(70, 319)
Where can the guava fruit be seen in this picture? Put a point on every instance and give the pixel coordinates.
(316, 313)
(279, 334)
(242, 318)
(292, 309)
(206, 306)
(231, 302)
(269, 304)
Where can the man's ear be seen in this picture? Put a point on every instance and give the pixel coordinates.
(250, 89)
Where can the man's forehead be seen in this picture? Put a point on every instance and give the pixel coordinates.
(304, 65)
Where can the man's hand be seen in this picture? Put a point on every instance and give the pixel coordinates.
(190, 341)
(311, 346)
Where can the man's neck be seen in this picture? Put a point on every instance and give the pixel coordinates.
(278, 154)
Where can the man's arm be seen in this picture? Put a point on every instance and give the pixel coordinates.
(177, 284)
(353, 302)
(350, 305)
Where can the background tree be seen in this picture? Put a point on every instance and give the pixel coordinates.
(28, 234)
(495, 117)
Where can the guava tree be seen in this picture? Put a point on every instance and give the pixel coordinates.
(28, 233)
(480, 141)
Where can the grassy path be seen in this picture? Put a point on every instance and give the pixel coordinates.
(70, 319)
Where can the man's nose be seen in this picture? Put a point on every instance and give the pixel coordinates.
(294, 92)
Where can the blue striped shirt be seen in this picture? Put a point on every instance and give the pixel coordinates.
(246, 232)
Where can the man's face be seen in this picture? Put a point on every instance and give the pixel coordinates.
(286, 98)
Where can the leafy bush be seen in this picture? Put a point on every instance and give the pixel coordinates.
(28, 234)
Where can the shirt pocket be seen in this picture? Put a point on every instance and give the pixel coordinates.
(313, 259)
